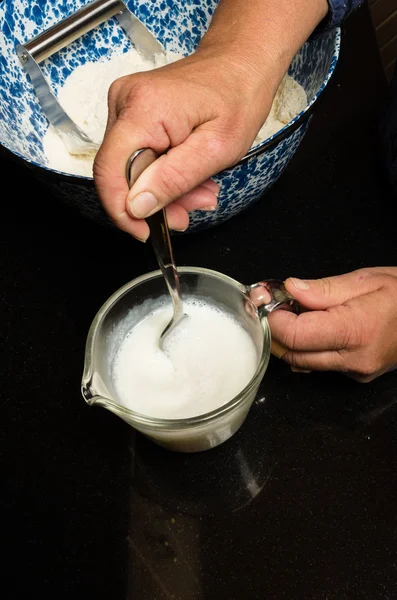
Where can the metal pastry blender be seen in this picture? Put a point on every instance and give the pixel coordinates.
(47, 43)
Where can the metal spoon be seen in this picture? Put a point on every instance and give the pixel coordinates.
(160, 239)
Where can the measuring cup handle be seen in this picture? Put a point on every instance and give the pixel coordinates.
(273, 295)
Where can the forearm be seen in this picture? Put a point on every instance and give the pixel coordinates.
(263, 36)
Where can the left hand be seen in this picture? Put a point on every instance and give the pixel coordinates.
(350, 325)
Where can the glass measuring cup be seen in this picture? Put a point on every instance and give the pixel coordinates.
(135, 300)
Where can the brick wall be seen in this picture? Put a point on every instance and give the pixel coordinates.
(384, 17)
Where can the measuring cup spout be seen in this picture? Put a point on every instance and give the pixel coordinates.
(94, 399)
(91, 396)
(88, 396)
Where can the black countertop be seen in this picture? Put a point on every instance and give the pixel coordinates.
(301, 503)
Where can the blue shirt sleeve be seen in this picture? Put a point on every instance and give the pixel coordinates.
(339, 10)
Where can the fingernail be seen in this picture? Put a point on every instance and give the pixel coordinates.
(300, 284)
(143, 240)
(208, 208)
(143, 204)
(298, 370)
(180, 230)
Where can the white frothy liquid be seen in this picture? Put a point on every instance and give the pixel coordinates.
(207, 360)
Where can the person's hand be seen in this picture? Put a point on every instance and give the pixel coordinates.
(204, 109)
(350, 325)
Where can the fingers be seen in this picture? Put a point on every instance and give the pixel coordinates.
(329, 361)
(315, 361)
(112, 187)
(314, 331)
(199, 199)
(177, 217)
(260, 295)
(319, 294)
(203, 197)
(311, 339)
(177, 173)
(211, 185)
(121, 141)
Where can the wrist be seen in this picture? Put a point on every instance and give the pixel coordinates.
(253, 78)
(260, 40)
(254, 67)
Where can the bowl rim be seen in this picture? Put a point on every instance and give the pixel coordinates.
(305, 114)
(254, 151)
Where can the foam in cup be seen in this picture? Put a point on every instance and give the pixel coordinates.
(206, 361)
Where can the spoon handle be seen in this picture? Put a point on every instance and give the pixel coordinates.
(159, 232)
(161, 242)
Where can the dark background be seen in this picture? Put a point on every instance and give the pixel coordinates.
(301, 502)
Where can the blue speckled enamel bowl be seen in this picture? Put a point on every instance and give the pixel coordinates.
(178, 25)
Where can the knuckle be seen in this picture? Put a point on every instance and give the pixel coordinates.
(223, 151)
(361, 379)
(101, 176)
(118, 92)
(290, 338)
(114, 89)
(362, 368)
(343, 330)
(173, 180)
(351, 332)
(131, 90)
(382, 278)
(216, 147)
(389, 282)
(228, 138)
(339, 361)
(326, 286)
(368, 368)
(104, 177)
(118, 221)
(358, 337)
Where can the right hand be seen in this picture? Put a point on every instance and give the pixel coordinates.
(205, 110)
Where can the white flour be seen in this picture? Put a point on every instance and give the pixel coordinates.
(290, 100)
(84, 98)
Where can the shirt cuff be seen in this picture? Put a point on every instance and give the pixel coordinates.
(338, 11)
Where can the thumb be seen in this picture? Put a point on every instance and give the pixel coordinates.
(320, 294)
(176, 173)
